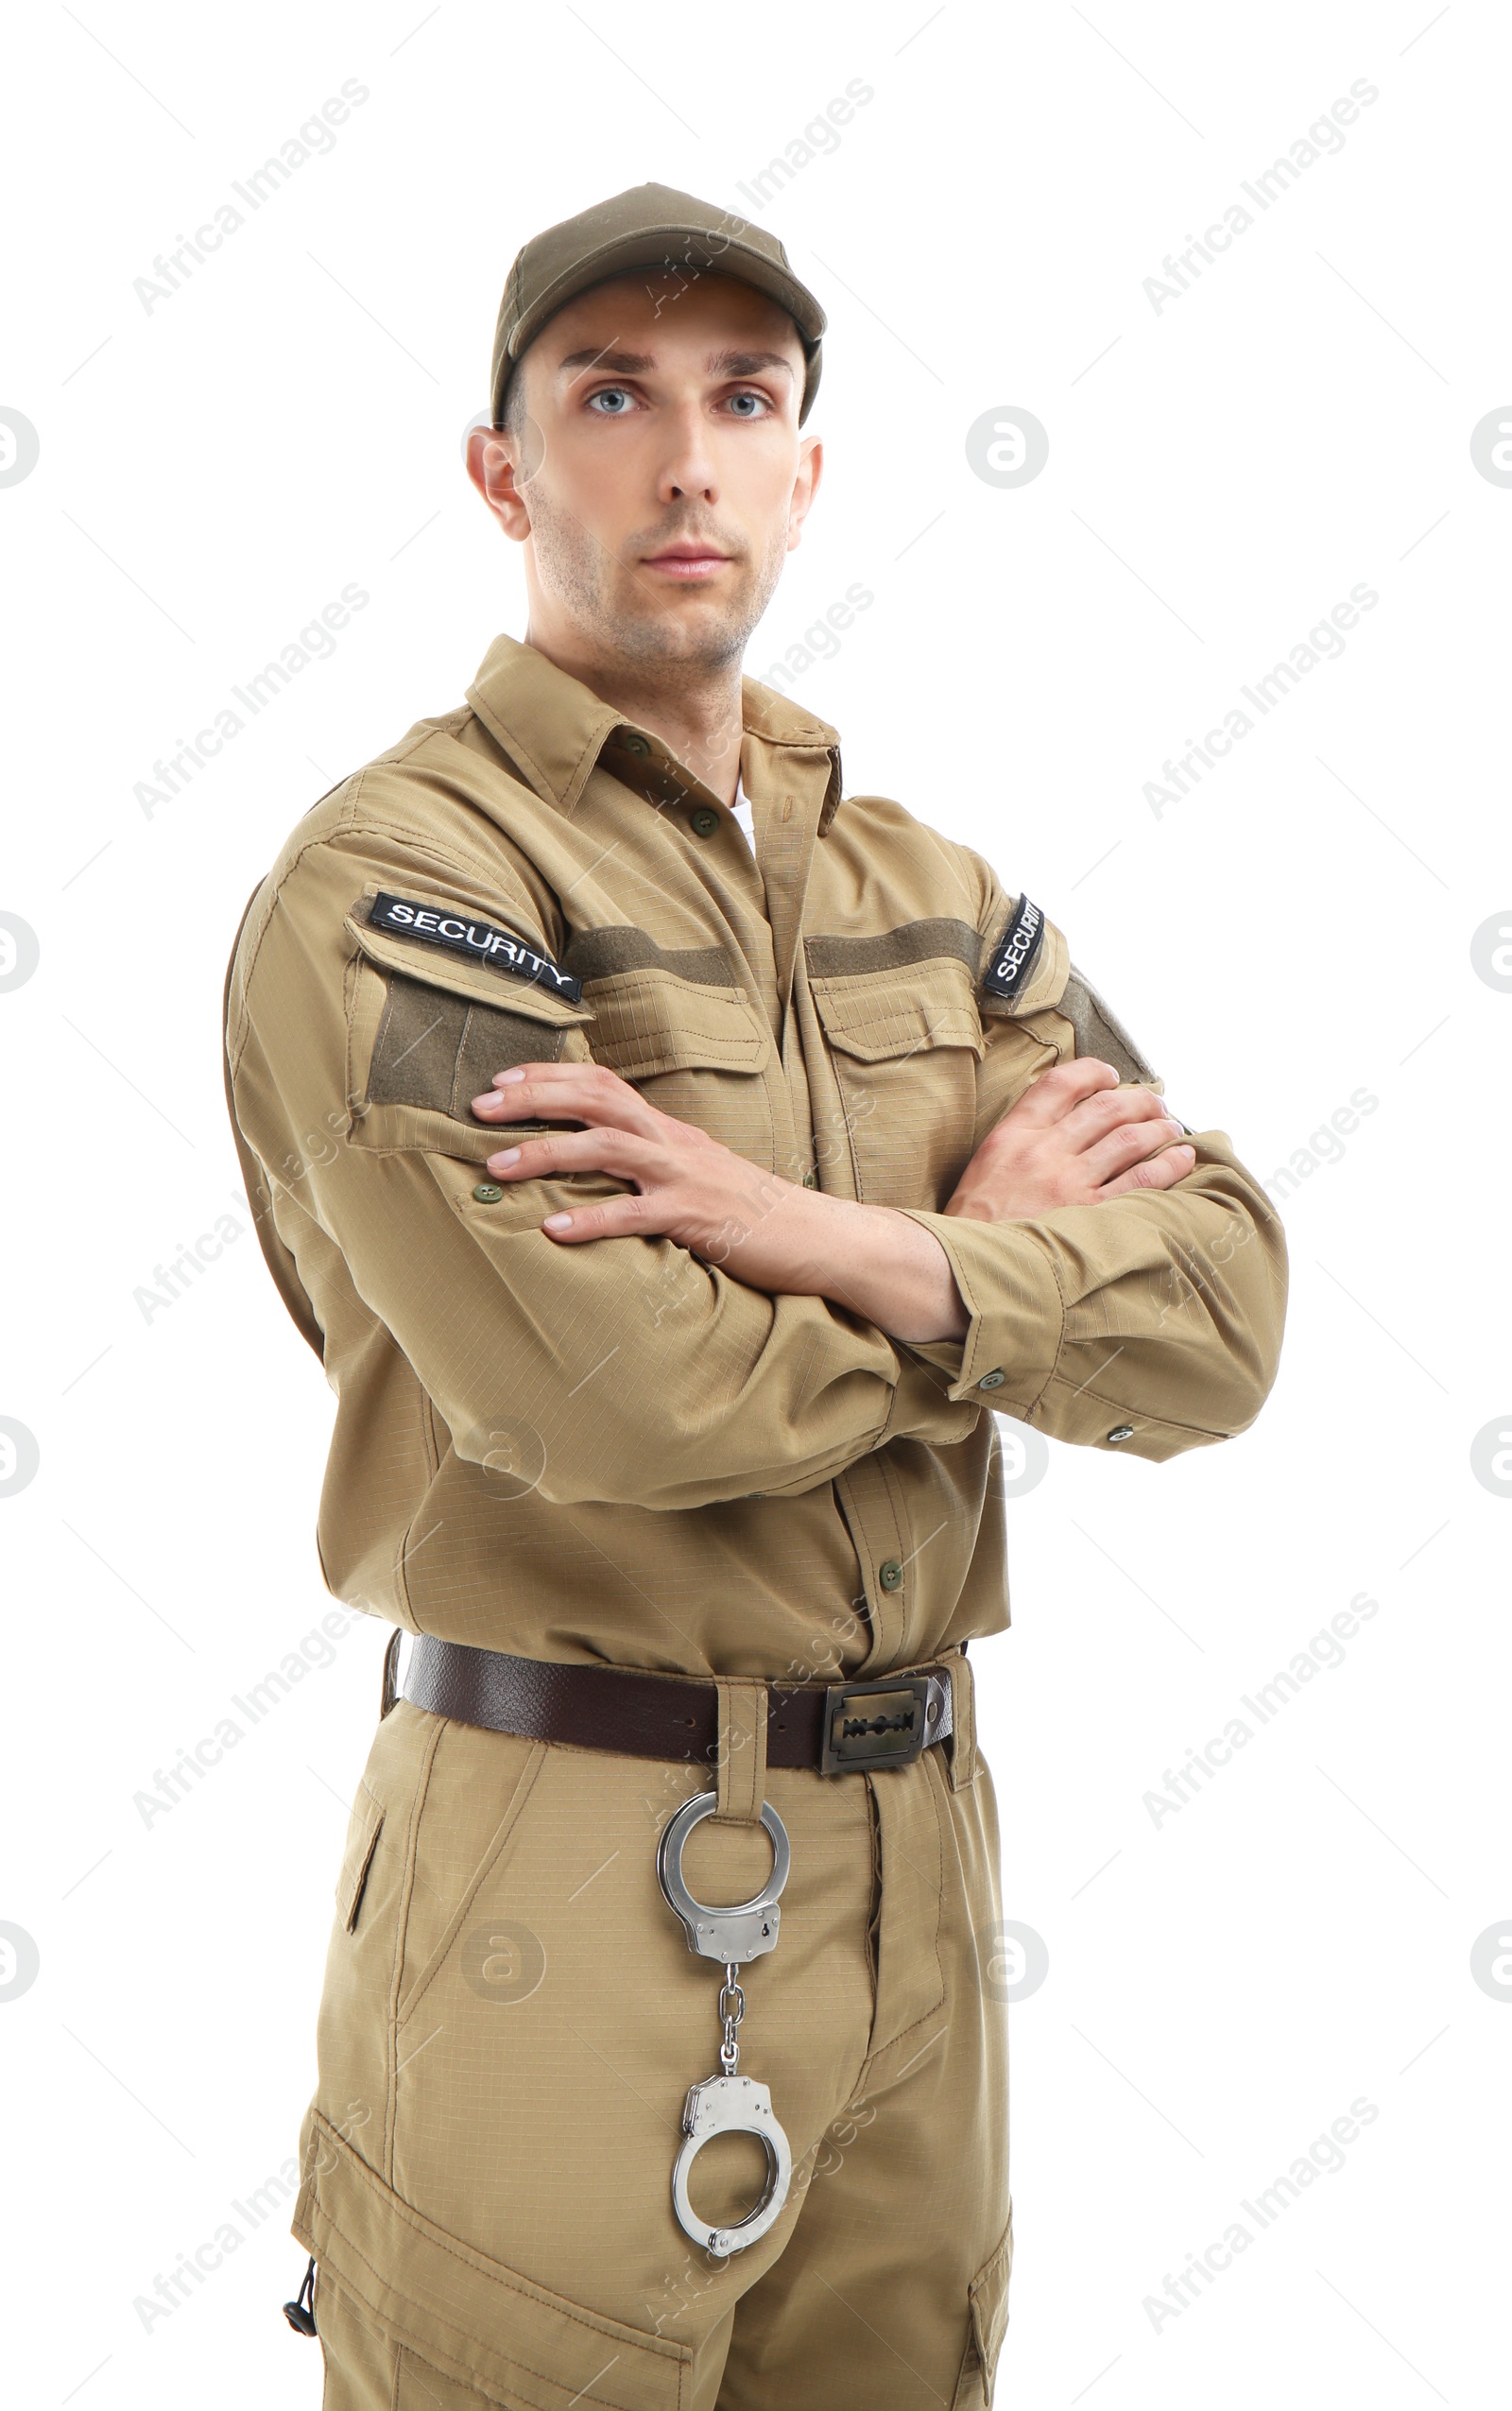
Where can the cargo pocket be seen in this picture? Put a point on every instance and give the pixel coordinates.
(988, 2297)
(904, 1037)
(362, 1840)
(425, 1034)
(450, 2309)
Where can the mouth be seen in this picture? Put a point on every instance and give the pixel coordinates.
(688, 563)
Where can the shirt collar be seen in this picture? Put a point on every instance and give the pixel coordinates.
(554, 729)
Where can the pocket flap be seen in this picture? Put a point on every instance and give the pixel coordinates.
(480, 982)
(877, 1015)
(362, 1840)
(654, 1021)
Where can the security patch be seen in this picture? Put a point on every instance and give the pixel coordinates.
(457, 932)
(1013, 957)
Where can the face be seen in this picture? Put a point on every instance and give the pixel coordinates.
(659, 476)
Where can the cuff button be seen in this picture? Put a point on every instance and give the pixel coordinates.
(1120, 1432)
(995, 1380)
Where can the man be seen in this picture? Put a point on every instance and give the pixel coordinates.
(675, 1162)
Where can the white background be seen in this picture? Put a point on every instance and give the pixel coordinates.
(1223, 1984)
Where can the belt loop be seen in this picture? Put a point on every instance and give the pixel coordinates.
(962, 1742)
(740, 1752)
(391, 1689)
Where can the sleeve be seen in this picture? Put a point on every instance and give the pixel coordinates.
(1151, 1324)
(637, 1372)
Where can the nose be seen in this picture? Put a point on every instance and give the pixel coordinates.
(688, 469)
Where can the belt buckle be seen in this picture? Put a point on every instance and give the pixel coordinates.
(874, 1724)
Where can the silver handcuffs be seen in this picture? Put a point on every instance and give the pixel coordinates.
(728, 2104)
(748, 1928)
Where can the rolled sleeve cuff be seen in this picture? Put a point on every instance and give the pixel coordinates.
(1008, 1287)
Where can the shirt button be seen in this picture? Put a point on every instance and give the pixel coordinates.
(890, 1575)
(488, 1193)
(995, 1380)
(634, 744)
(704, 822)
(811, 1179)
(1121, 1432)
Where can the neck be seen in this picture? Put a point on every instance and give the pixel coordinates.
(696, 711)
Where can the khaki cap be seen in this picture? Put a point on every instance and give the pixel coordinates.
(650, 226)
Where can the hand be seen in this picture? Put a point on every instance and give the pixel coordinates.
(1074, 1138)
(683, 1185)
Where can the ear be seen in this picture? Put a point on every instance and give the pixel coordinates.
(491, 466)
(805, 486)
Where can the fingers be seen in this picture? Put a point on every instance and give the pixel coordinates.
(1160, 1171)
(568, 1093)
(620, 1153)
(1126, 1145)
(581, 1092)
(1058, 1089)
(615, 1218)
(1110, 1109)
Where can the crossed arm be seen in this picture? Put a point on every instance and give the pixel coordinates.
(1076, 1137)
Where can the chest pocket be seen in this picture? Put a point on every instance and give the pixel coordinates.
(900, 1024)
(425, 1034)
(678, 1024)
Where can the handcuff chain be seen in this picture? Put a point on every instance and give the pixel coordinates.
(731, 2009)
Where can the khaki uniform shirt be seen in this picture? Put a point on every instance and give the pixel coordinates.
(617, 1451)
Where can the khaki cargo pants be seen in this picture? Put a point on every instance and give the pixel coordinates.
(511, 2017)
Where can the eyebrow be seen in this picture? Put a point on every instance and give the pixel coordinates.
(629, 364)
(745, 364)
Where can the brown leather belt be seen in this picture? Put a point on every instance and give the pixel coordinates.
(845, 1728)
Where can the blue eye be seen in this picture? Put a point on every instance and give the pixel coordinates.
(615, 400)
(757, 402)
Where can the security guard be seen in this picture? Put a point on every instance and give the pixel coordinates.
(675, 1162)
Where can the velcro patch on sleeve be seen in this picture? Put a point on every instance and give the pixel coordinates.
(1007, 973)
(458, 932)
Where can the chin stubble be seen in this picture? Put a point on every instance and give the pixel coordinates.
(576, 567)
